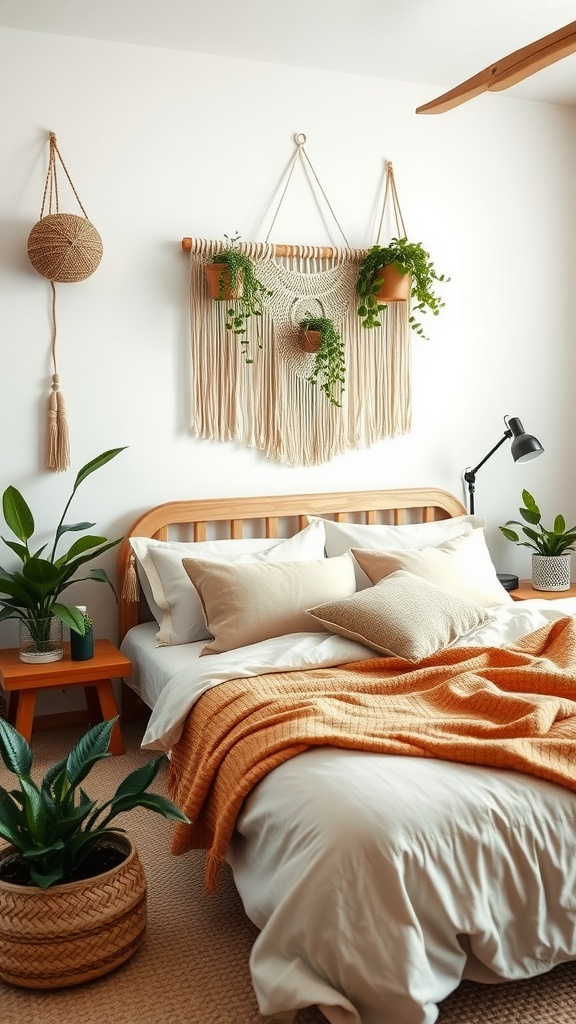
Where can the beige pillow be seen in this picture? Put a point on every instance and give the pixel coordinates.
(462, 565)
(171, 597)
(253, 601)
(403, 615)
(341, 537)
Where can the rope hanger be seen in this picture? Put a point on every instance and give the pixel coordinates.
(270, 249)
(63, 247)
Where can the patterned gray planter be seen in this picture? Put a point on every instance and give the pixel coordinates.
(551, 572)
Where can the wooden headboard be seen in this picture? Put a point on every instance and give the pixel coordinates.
(277, 516)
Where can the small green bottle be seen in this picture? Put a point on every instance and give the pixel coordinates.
(82, 647)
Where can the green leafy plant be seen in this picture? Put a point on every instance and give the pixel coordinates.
(407, 258)
(329, 369)
(238, 273)
(32, 593)
(557, 541)
(53, 827)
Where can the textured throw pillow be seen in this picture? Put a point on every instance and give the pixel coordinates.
(250, 602)
(462, 566)
(403, 615)
(180, 616)
(341, 537)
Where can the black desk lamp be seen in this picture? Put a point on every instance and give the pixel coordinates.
(524, 447)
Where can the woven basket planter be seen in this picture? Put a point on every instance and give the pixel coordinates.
(394, 286)
(68, 934)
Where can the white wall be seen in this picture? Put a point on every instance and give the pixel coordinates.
(163, 144)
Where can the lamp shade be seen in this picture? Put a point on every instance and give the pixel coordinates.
(524, 446)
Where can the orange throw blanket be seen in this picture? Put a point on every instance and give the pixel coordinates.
(511, 707)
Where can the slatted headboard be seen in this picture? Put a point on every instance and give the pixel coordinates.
(277, 516)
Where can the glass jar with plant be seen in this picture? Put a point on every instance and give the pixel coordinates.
(408, 260)
(232, 278)
(31, 595)
(329, 370)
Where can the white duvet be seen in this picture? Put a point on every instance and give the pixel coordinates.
(379, 882)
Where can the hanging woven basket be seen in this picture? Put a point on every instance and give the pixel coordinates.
(64, 247)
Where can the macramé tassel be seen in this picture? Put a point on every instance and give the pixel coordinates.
(58, 440)
(130, 588)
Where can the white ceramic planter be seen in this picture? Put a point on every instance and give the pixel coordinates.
(551, 572)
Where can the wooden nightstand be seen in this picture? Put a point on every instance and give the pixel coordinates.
(525, 592)
(22, 681)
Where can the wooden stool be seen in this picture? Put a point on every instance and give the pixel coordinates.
(22, 682)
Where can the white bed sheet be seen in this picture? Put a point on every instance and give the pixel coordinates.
(378, 883)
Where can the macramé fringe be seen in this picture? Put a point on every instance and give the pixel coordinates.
(270, 405)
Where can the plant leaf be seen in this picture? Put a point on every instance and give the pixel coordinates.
(91, 747)
(95, 464)
(17, 514)
(14, 749)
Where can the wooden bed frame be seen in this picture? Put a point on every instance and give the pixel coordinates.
(277, 516)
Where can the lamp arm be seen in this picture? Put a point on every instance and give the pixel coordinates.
(470, 474)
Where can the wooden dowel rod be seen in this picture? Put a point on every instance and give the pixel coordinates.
(322, 251)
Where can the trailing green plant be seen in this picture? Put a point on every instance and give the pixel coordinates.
(407, 258)
(241, 275)
(54, 826)
(557, 541)
(329, 370)
(32, 593)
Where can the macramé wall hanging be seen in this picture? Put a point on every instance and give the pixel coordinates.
(63, 247)
(266, 387)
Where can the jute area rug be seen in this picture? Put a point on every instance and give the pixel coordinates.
(193, 965)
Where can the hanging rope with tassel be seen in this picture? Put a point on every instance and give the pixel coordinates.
(62, 247)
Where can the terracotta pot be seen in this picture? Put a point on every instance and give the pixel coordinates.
(218, 274)
(309, 341)
(395, 287)
(71, 933)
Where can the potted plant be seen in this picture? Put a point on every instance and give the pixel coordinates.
(401, 270)
(72, 887)
(31, 595)
(318, 334)
(231, 278)
(551, 558)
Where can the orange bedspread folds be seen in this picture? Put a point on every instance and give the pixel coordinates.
(511, 707)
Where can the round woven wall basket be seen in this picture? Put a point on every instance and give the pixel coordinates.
(72, 933)
(64, 247)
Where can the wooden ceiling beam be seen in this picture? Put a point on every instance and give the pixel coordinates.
(509, 70)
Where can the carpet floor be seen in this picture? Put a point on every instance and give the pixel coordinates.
(192, 967)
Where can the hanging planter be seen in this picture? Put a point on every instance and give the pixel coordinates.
(231, 278)
(401, 271)
(63, 247)
(395, 285)
(219, 278)
(309, 340)
(329, 370)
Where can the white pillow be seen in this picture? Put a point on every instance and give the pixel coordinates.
(148, 575)
(341, 537)
(403, 615)
(245, 604)
(462, 565)
(181, 616)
